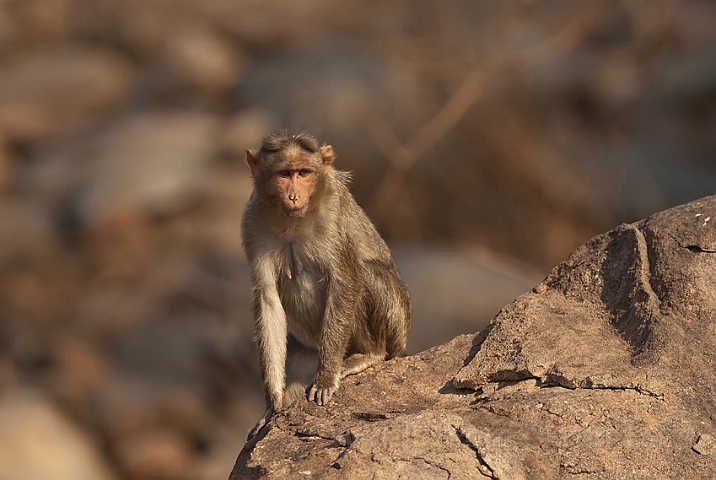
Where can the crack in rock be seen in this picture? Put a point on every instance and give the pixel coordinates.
(555, 379)
(432, 463)
(484, 467)
(705, 445)
(692, 247)
(599, 337)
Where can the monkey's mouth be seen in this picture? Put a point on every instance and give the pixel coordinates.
(294, 211)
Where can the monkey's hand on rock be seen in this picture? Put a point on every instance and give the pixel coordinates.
(323, 389)
(260, 424)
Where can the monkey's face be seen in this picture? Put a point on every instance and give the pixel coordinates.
(289, 177)
(293, 186)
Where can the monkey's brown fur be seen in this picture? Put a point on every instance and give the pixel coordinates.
(319, 268)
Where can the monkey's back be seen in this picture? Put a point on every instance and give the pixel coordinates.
(355, 225)
(385, 304)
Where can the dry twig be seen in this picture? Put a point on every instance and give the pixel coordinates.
(403, 156)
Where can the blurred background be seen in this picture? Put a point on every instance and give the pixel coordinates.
(487, 140)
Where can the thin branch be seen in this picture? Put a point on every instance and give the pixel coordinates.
(403, 157)
(568, 38)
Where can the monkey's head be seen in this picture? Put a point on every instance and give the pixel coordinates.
(289, 169)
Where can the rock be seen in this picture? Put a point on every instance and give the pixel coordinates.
(151, 425)
(155, 454)
(277, 23)
(52, 91)
(122, 242)
(380, 412)
(604, 370)
(8, 373)
(156, 161)
(6, 165)
(37, 442)
(245, 130)
(139, 26)
(40, 21)
(182, 55)
(705, 445)
(201, 59)
(129, 405)
(334, 89)
(109, 310)
(9, 30)
(82, 369)
(25, 226)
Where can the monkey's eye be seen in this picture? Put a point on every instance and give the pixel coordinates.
(285, 173)
(303, 172)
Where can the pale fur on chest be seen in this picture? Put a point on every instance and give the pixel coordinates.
(301, 286)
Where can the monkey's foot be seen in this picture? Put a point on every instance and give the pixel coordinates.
(261, 423)
(359, 362)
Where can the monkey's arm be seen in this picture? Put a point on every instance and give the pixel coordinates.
(271, 334)
(339, 316)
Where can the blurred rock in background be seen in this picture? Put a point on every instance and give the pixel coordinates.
(487, 140)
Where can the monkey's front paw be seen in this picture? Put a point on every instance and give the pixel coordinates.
(322, 394)
(261, 423)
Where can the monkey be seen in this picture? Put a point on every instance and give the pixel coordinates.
(320, 270)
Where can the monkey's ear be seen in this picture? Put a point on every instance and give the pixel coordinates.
(327, 154)
(252, 160)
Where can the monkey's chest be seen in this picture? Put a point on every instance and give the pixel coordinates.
(302, 296)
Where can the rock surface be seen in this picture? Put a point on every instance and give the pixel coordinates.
(605, 370)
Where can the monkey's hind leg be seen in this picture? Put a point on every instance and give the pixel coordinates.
(300, 370)
(359, 362)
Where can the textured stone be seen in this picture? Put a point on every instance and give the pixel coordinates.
(604, 370)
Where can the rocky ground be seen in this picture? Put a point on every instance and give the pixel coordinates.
(487, 141)
(604, 370)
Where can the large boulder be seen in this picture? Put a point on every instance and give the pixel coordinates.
(605, 370)
(37, 441)
(58, 90)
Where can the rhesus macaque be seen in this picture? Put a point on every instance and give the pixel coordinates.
(319, 268)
